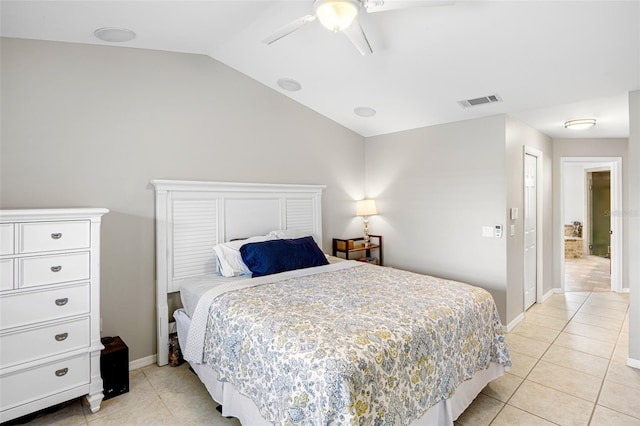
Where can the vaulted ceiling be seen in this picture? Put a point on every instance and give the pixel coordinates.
(548, 61)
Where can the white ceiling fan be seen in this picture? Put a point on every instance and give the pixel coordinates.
(342, 16)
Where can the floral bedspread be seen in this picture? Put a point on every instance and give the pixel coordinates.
(364, 345)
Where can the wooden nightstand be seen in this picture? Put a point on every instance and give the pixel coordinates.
(352, 247)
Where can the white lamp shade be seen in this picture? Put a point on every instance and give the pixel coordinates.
(366, 208)
(336, 15)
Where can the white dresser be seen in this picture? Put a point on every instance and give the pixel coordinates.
(49, 309)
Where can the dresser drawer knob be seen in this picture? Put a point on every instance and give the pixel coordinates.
(62, 302)
(56, 235)
(56, 268)
(62, 372)
(62, 336)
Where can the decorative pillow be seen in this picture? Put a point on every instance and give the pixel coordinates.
(229, 259)
(274, 256)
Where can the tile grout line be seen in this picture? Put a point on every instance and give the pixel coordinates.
(609, 362)
(606, 373)
(534, 366)
(595, 404)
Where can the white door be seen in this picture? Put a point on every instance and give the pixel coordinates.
(530, 229)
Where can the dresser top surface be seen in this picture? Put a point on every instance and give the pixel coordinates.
(51, 214)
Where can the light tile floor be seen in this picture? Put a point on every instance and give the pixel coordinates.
(588, 273)
(568, 369)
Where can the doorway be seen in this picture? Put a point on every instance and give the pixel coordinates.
(591, 250)
(599, 208)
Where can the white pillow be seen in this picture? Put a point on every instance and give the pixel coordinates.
(289, 234)
(229, 257)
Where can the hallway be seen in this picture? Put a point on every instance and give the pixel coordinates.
(588, 273)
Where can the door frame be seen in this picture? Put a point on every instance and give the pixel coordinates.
(617, 249)
(539, 223)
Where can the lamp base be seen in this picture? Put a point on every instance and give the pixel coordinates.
(366, 232)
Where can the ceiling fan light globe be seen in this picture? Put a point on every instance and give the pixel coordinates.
(336, 15)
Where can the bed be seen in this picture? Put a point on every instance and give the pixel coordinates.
(328, 342)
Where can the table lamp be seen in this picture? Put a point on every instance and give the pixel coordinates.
(366, 208)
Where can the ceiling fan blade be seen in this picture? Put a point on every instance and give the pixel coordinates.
(289, 28)
(386, 5)
(356, 35)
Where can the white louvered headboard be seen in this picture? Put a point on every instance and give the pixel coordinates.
(193, 216)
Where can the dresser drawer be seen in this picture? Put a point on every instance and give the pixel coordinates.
(51, 236)
(6, 274)
(6, 238)
(59, 268)
(37, 306)
(29, 385)
(42, 342)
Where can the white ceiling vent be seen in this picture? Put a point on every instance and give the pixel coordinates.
(480, 101)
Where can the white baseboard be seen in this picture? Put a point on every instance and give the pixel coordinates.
(520, 317)
(559, 290)
(513, 323)
(142, 362)
(635, 363)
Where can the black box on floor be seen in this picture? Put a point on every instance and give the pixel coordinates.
(114, 366)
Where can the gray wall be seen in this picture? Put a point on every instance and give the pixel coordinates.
(90, 126)
(519, 135)
(629, 151)
(436, 187)
(587, 148)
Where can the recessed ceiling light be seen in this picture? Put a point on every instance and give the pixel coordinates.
(289, 84)
(364, 111)
(114, 35)
(581, 124)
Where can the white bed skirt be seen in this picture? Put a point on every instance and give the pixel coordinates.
(237, 405)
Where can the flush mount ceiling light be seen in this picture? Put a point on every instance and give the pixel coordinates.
(581, 124)
(289, 84)
(336, 15)
(364, 111)
(114, 35)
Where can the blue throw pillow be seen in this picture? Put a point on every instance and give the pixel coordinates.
(274, 256)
